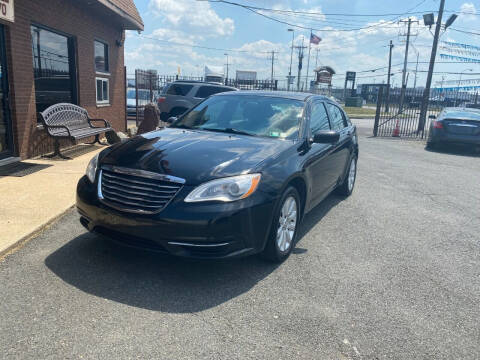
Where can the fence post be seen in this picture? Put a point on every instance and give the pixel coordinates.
(377, 112)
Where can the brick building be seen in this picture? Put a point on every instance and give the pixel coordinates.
(55, 51)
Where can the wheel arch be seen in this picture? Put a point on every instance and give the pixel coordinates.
(298, 182)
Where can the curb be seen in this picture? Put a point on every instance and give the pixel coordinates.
(17, 245)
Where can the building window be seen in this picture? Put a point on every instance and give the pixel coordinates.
(53, 67)
(102, 91)
(101, 57)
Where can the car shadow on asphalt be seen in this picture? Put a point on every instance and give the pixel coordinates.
(316, 215)
(454, 149)
(164, 283)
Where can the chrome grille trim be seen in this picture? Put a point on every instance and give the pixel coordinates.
(143, 173)
(136, 191)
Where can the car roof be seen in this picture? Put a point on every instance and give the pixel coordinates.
(281, 94)
(462, 113)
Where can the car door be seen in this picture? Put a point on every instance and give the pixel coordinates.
(341, 152)
(320, 166)
(176, 97)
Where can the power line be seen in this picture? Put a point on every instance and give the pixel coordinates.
(256, 10)
(465, 32)
(319, 13)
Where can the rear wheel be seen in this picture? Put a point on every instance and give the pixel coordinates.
(284, 227)
(346, 188)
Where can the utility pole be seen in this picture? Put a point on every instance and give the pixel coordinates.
(404, 72)
(300, 61)
(273, 59)
(426, 92)
(291, 60)
(316, 58)
(387, 96)
(416, 70)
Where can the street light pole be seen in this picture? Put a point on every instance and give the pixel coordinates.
(458, 86)
(291, 60)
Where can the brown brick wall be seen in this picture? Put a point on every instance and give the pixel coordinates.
(85, 26)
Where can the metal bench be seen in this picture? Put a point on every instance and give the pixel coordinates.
(69, 121)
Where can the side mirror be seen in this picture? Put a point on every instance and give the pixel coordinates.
(432, 117)
(171, 119)
(326, 137)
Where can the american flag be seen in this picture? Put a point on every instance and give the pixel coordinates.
(314, 39)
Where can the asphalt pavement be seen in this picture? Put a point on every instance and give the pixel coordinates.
(392, 272)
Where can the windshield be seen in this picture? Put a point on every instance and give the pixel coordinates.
(255, 115)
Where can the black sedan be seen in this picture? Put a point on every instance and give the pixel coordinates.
(233, 176)
(455, 125)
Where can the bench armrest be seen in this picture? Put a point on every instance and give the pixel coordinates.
(58, 127)
(105, 122)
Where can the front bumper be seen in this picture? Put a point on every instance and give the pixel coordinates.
(199, 230)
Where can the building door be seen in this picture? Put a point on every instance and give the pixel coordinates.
(6, 138)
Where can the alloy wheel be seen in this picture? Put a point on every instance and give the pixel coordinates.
(351, 174)
(287, 224)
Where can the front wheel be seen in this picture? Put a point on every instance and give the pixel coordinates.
(284, 227)
(346, 188)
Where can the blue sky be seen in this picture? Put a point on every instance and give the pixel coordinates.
(173, 27)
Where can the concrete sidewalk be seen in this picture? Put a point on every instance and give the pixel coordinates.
(29, 203)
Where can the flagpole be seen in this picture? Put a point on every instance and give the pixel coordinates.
(308, 60)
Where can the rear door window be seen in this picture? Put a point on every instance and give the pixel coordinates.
(318, 118)
(206, 91)
(179, 89)
(337, 119)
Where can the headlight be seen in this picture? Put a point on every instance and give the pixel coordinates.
(92, 169)
(226, 189)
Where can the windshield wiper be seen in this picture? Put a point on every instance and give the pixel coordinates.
(181, 126)
(230, 131)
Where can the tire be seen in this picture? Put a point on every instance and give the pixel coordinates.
(346, 188)
(281, 239)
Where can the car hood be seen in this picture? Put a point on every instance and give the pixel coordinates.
(194, 155)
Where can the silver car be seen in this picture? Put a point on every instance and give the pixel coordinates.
(180, 96)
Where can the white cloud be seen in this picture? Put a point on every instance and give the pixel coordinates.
(468, 8)
(176, 36)
(194, 16)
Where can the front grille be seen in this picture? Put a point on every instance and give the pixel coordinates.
(136, 191)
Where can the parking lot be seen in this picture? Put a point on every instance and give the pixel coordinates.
(391, 272)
